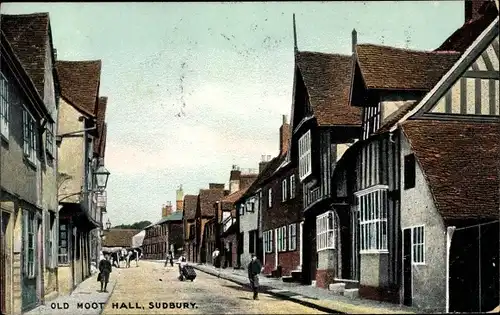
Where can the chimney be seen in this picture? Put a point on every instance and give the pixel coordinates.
(234, 179)
(216, 186)
(354, 40)
(263, 162)
(55, 54)
(179, 203)
(285, 134)
(167, 209)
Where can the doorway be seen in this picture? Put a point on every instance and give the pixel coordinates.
(407, 270)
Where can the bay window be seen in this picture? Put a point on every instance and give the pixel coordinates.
(372, 205)
(325, 231)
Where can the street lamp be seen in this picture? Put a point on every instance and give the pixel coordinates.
(101, 176)
(108, 224)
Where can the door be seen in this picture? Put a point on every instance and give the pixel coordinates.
(407, 270)
(4, 219)
(30, 261)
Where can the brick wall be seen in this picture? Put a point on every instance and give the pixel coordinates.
(288, 261)
(176, 235)
(324, 278)
(269, 263)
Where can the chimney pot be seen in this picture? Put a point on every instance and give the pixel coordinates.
(354, 40)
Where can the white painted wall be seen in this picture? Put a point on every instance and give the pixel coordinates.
(248, 222)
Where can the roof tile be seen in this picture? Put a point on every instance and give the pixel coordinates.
(327, 78)
(384, 67)
(190, 204)
(459, 160)
(119, 237)
(207, 199)
(79, 82)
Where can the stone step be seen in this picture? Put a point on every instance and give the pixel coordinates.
(351, 293)
(337, 288)
(287, 278)
(349, 284)
(297, 275)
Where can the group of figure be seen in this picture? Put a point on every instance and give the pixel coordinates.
(126, 255)
(217, 258)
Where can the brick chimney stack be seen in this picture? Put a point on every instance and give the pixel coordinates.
(285, 134)
(216, 186)
(234, 179)
(179, 203)
(263, 162)
(166, 210)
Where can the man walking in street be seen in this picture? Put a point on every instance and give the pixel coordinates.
(104, 271)
(254, 269)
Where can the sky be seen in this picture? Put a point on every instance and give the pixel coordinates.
(194, 88)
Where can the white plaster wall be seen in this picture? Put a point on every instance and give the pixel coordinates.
(417, 208)
(248, 222)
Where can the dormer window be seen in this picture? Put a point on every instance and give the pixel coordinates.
(305, 168)
(371, 120)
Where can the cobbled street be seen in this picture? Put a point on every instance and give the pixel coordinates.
(154, 289)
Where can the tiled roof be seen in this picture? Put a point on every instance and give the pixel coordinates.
(327, 78)
(80, 83)
(101, 117)
(384, 67)
(119, 237)
(207, 199)
(232, 198)
(459, 161)
(463, 37)
(174, 216)
(28, 35)
(190, 203)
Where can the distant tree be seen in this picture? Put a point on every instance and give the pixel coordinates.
(137, 225)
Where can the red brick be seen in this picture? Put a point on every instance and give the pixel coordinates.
(269, 263)
(390, 295)
(324, 278)
(289, 261)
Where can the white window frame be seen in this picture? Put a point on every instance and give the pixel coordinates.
(282, 239)
(292, 237)
(4, 107)
(373, 221)
(325, 231)
(30, 233)
(268, 241)
(284, 190)
(292, 186)
(418, 245)
(63, 257)
(242, 209)
(305, 163)
(270, 198)
(29, 136)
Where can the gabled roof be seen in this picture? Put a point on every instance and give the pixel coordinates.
(459, 161)
(232, 198)
(80, 83)
(327, 78)
(384, 67)
(463, 37)
(174, 216)
(101, 117)
(452, 75)
(28, 35)
(190, 203)
(207, 199)
(119, 237)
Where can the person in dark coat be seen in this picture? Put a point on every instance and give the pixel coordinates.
(104, 271)
(254, 269)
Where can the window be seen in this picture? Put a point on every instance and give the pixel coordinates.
(305, 155)
(4, 107)
(409, 171)
(50, 139)
(29, 243)
(373, 219)
(325, 231)
(292, 236)
(251, 205)
(242, 209)
(270, 198)
(50, 238)
(292, 186)
(268, 241)
(282, 239)
(29, 136)
(284, 192)
(417, 245)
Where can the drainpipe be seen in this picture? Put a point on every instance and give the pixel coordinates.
(449, 234)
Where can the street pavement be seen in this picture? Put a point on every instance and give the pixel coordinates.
(152, 288)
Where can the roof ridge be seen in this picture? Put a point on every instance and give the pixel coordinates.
(324, 53)
(432, 52)
(81, 61)
(27, 14)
